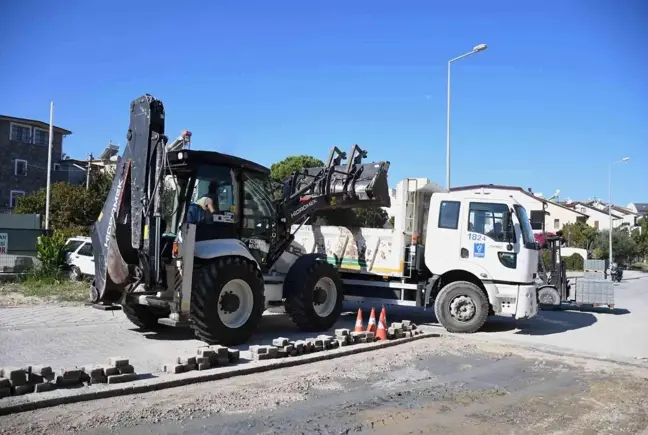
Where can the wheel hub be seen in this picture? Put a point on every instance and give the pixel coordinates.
(462, 308)
(547, 298)
(319, 296)
(230, 302)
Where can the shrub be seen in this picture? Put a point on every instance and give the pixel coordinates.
(51, 253)
(574, 262)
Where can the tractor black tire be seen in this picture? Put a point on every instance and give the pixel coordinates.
(209, 280)
(548, 298)
(144, 316)
(299, 291)
(443, 302)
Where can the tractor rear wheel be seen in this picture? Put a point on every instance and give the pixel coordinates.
(313, 292)
(143, 316)
(227, 300)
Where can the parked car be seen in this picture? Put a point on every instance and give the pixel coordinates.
(79, 258)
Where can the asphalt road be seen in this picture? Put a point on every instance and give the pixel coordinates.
(438, 386)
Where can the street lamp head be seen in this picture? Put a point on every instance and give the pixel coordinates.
(625, 159)
(480, 47)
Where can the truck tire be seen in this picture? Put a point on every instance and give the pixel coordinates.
(461, 307)
(143, 316)
(227, 300)
(548, 298)
(313, 292)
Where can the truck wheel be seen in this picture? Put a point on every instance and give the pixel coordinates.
(548, 298)
(461, 307)
(74, 274)
(227, 300)
(143, 316)
(313, 292)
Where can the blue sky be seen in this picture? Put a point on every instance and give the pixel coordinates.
(559, 93)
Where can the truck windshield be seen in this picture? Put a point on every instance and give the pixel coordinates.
(525, 225)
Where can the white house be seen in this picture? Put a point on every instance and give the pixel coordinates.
(597, 217)
(639, 208)
(544, 215)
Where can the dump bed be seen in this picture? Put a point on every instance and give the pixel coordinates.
(359, 250)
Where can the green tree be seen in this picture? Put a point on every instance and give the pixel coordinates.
(73, 209)
(580, 235)
(281, 170)
(624, 248)
(371, 217)
(640, 237)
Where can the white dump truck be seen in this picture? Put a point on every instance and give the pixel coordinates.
(468, 253)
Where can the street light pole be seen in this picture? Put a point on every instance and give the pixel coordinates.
(476, 49)
(623, 160)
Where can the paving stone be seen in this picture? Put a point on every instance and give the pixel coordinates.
(260, 356)
(44, 371)
(187, 360)
(23, 389)
(342, 341)
(130, 369)
(74, 373)
(371, 337)
(189, 367)
(288, 348)
(62, 382)
(34, 378)
(202, 360)
(406, 322)
(335, 344)
(44, 386)
(272, 351)
(204, 365)
(111, 371)
(396, 325)
(342, 332)
(318, 348)
(280, 342)
(118, 361)
(256, 349)
(281, 353)
(325, 337)
(173, 368)
(221, 351)
(94, 371)
(5, 392)
(294, 352)
(17, 376)
(206, 352)
(118, 379)
(99, 380)
(5, 383)
(222, 360)
(234, 355)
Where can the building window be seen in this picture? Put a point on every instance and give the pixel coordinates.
(556, 224)
(13, 195)
(56, 167)
(537, 219)
(449, 215)
(20, 167)
(20, 133)
(41, 137)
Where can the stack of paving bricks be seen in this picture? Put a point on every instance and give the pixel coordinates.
(117, 371)
(207, 357)
(402, 329)
(16, 381)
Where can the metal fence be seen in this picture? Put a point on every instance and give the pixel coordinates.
(18, 241)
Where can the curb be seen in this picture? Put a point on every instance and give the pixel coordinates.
(189, 378)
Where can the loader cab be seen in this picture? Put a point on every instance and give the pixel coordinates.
(229, 198)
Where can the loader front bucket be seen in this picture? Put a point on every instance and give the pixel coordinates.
(365, 186)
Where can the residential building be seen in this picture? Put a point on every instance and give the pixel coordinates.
(75, 171)
(545, 215)
(597, 217)
(640, 208)
(24, 150)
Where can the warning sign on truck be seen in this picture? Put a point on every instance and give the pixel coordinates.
(4, 243)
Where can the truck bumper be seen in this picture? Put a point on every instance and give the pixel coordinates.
(519, 301)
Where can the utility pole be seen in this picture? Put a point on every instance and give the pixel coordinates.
(88, 171)
(49, 165)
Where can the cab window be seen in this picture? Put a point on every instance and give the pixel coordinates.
(491, 220)
(258, 208)
(214, 196)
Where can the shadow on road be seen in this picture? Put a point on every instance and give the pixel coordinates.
(545, 323)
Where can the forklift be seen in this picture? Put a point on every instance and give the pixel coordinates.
(555, 287)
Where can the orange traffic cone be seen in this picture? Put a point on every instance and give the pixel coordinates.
(358, 325)
(381, 333)
(371, 326)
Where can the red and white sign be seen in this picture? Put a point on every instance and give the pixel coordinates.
(4, 243)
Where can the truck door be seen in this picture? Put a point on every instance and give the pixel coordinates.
(488, 240)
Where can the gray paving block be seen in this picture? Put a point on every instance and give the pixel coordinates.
(221, 351)
(118, 379)
(118, 361)
(202, 360)
(94, 371)
(173, 368)
(288, 348)
(342, 332)
(272, 351)
(44, 386)
(204, 366)
(17, 375)
(281, 353)
(206, 352)
(111, 371)
(45, 371)
(5, 383)
(62, 382)
(233, 355)
(99, 380)
(260, 356)
(187, 360)
(396, 325)
(318, 348)
(280, 341)
(130, 369)
(371, 337)
(5, 392)
(189, 367)
(257, 349)
(34, 378)
(325, 337)
(406, 322)
(23, 389)
(70, 373)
